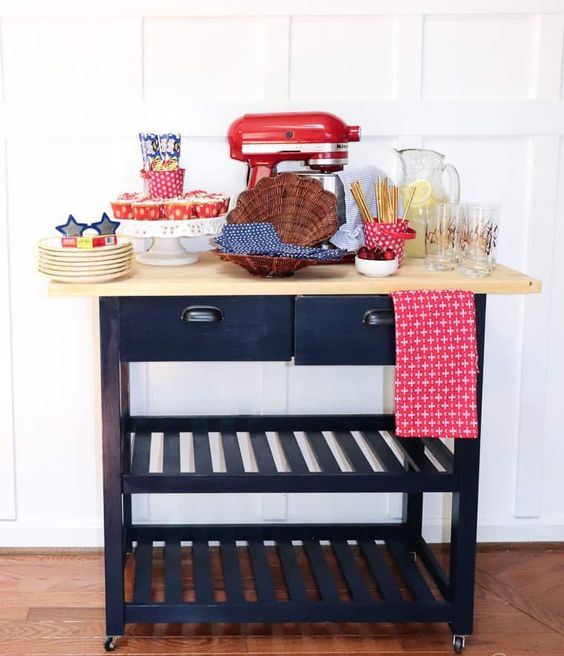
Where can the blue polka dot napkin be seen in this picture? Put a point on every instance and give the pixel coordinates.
(262, 239)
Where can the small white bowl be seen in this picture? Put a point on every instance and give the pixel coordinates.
(376, 268)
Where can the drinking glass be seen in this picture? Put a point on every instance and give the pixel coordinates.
(477, 239)
(441, 222)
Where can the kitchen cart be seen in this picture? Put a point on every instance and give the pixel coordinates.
(326, 315)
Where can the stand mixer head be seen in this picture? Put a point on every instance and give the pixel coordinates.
(263, 141)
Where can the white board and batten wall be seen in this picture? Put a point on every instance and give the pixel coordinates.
(481, 82)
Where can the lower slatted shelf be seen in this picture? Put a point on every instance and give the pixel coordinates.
(282, 454)
(282, 573)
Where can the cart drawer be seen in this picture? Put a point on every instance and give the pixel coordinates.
(344, 330)
(200, 328)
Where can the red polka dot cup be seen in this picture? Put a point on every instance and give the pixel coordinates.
(164, 184)
(388, 235)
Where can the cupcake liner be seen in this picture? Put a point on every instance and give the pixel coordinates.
(146, 211)
(122, 209)
(178, 210)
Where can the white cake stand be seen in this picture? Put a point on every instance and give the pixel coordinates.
(167, 249)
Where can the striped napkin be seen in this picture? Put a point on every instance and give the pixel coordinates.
(350, 235)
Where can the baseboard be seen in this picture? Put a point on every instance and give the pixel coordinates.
(49, 534)
(495, 529)
(41, 533)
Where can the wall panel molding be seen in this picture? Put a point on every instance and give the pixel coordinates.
(277, 64)
(210, 119)
(549, 62)
(505, 145)
(290, 7)
(543, 190)
(409, 57)
(7, 437)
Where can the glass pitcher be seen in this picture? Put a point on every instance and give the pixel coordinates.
(424, 170)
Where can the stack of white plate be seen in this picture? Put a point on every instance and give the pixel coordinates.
(81, 265)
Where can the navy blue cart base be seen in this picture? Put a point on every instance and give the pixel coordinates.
(278, 573)
(285, 573)
(288, 573)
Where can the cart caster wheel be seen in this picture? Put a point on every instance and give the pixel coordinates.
(458, 643)
(110, 643)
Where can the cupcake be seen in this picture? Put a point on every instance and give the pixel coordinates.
(208, 207)
(223, 200)
(196, 204)
(147, 210)
(203, 207)
(121, 207)
(179, 209)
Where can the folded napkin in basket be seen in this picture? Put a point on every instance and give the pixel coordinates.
(436, 364)
(262, 239)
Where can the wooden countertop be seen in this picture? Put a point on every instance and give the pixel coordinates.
(212, 277)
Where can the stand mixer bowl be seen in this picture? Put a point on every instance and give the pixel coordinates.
(330, 182)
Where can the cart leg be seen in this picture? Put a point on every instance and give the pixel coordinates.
(463, 537)
(126, 455)
(465, 508)
(413, 510)
(127, 542)
(111, 447)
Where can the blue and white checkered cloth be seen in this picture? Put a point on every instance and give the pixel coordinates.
(350, 235)
(262, 239)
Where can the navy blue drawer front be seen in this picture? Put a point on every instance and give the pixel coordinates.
(345, 330)
(206, 328)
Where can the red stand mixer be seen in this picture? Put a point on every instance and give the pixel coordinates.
(319, 139)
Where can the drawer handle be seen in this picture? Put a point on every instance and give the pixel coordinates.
(201, 314)
(378, 318)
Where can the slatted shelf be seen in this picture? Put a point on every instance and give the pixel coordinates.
(282, 454)
(290, 573)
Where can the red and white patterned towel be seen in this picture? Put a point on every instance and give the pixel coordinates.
(436, 364)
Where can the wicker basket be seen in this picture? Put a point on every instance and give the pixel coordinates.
(266, 266)
(302, 212)
(276, 267)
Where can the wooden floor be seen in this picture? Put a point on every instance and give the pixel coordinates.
(52, 603)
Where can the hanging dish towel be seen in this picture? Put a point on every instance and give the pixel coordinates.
(436, 364)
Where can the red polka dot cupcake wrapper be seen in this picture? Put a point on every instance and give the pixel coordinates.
(122, 210)
(164, 184)
(147, 211)
(388, 235)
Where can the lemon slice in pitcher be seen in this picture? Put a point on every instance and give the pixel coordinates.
(423, 193)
